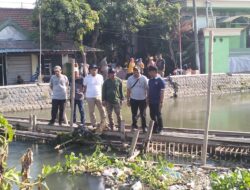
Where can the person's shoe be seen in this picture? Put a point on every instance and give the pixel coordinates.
(60, 123)
(134, 127)
(51, 123)
(145, 130)
(160, 132)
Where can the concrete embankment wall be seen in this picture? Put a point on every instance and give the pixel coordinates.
(37, 96)
(24, 97)
(196, 85)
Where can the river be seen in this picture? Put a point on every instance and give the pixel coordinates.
(44, 154)
(229, 112)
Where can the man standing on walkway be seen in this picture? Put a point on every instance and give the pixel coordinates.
(112, 97)
(79, 95)
(156, 88)
(161, 65)
(93, 85)
(137, 87)
(59, 84)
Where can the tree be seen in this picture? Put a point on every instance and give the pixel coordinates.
(161, 30)
(72, 17)
(118, 21)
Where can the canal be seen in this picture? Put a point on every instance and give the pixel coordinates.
(230, 112)
(44, 154)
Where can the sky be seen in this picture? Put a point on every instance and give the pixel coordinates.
(17, 3)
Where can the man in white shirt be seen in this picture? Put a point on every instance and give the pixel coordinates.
(93, 84)
(137, 87)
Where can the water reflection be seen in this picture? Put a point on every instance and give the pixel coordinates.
(46, 155)
(229, 112)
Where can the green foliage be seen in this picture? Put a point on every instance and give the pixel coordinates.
(73, 17)
(153, 175)
(6, 128)
(238, 179)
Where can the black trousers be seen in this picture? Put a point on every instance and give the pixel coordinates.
(141, 105)
(155, 114)
(58, 104)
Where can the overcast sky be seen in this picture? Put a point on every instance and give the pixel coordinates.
(17, 3)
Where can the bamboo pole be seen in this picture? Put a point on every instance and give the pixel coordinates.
(134, 142)
(209, 98)
(72, 90)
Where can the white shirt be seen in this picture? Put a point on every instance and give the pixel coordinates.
(94, 85)
(139, 91)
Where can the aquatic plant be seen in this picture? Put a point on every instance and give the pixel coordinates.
(238, 179)
(153, 174)
(10, 176)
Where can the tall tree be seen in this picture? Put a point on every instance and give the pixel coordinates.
(72, 17)
(118, 21)
(162, 27)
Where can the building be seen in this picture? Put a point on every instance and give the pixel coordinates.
(19, 52)
(229, 20)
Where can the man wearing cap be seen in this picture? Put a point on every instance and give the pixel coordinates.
(58, 84)
(137, 87)
(112, 97)
(93, 85)
(156, 87)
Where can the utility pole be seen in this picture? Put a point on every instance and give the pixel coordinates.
(197, 57)
(180, 45)
(40, 49)
(207, 20)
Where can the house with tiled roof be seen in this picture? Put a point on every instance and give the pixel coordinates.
(19, 53)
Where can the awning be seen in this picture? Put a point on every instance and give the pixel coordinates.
(231, 19)
(87, 49)
(22, 46)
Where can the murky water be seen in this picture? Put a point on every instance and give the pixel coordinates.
(46, 155)
(229, 112)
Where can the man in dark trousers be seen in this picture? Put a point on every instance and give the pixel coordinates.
(59, 84)
(156, 87)
(112, 97)
(137, 87)
(79, 95)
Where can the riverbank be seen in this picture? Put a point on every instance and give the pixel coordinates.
(38, 96)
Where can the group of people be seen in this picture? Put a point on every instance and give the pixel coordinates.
(157, 61)
(108, 96)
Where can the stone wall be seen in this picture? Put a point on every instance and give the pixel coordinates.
(37, 96)
(196, 85)
(24, 97)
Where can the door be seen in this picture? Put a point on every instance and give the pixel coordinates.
(19, 65)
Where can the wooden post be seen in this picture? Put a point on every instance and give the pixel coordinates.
(148, 136)
(134, 142)
(122, 129)
(72, 90)
(65, 118)
(31, 122)
(34, 118)
(209, 98)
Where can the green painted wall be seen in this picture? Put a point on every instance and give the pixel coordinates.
(234, 42)
(220, 54)
(222, 46)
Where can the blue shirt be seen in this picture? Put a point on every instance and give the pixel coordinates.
(155, 86)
